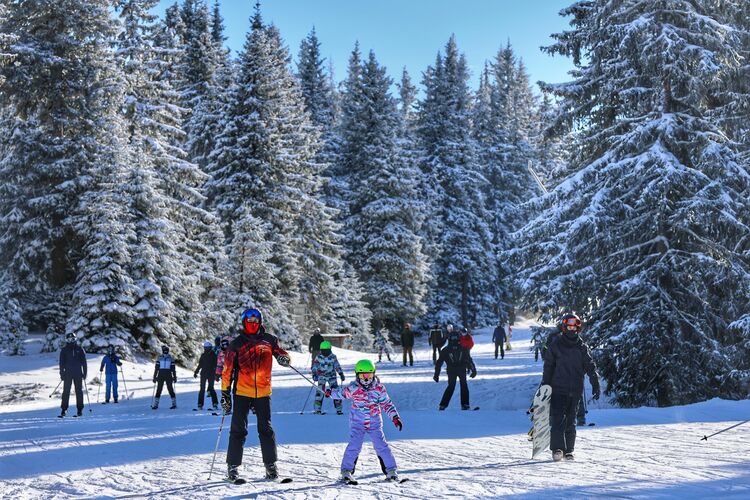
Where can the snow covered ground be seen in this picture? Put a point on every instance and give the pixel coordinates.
(130, 451)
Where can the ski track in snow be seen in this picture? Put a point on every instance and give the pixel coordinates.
(130, 451)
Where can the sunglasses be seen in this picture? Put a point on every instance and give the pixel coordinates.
(366, 375)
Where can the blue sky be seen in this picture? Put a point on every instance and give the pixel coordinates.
(410, 32)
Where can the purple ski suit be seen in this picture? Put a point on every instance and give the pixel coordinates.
(365, 417)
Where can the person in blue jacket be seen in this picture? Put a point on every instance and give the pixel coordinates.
(110, 361)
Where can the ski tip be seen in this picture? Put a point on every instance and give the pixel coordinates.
(704, 438)
(286, 480)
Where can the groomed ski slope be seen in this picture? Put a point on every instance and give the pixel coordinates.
(130, 451)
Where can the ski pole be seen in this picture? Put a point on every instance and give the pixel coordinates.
(127, 394)
(98, 390)
(87, 393)
(705, 438)
(306, 399)
(218, 438)
(310, 381)
(56, 388)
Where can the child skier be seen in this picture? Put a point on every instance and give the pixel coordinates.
(110, 361)
(382, 345)
(324, 369)
(368, 397)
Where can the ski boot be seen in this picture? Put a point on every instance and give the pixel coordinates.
(271, 471)
(569, 456)
(465, 407)
(215, 408)
(115, 400)
(580, 422)
(233, 472)
(347, 476)
(441, 407)
(79, 413)
(339, 412)
(557, 455)
(63, 413)
(391, 475)
(174, 404)
(200, 407)
(155, 404)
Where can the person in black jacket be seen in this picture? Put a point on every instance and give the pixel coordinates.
(407, 343)
(314, 345)
(207, 369)
(436, 341)
(565, 363)
(498, 337)
(457, 362)
(73, 370)
(165, 371)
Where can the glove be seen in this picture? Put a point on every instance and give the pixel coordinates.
(154, 380)
(217, 378)
(174, 379)
(328, 393)
(596, 394)
(195, 375)
(315, 378)
(473, 374)
(436, 378)
(101, 371)
(283, 360)
(226, 402)
(342, 377)
(62, 375)
(398, 423)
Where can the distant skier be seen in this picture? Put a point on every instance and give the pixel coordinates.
(248, 363)
(220, 357)
(457, 362)
(407, 343)
(436, 341)
(466, 340)
(538, 342)
(73, 371)
(508, 335)
(382, 345)
(110, 361)
(207, 369)
(369, 397)
(566, 362)
(314, 346)
(217, 345)
(498, 337)
(165, 372)
(324, 369)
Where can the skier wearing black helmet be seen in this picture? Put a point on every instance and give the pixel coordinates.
(165, 372)
(73, 370)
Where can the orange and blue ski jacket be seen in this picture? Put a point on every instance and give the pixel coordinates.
(248, 363)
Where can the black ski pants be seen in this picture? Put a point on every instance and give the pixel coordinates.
(435, 353)
(207, 379)
(448, 394)
(408, 351)
(502, 350)
(67, 382)
(164, 376)
(238, 431)
(562, 420)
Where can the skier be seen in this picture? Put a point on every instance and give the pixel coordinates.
(73, 370)
(248, 362)
(508, 336)
(369, 398)
(457, 362)
(436, 341)
(537, 341)
(466, 339)
(165, 371)
(314, 345)
(207, 369)
(220, 357)
(217, 345)
(111, 362)
(382, 345)
(566, 362)
(498, 337)
(407, 343)
(324, 369)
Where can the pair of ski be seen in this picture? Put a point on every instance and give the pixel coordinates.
(215, 414)
(240, 480)
(354, 482)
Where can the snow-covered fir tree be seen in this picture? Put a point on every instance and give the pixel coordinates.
(383, 214)
(552, 150)
(648, 238)
(350, 314)
(465, 286)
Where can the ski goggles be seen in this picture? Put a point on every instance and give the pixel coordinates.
(366, 375)
(252, 319)
(574, 322)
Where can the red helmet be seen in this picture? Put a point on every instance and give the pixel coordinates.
(570, 319)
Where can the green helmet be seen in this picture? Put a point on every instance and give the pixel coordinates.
(364, 366)
(325, 345)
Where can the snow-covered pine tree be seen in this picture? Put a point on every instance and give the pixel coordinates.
(552, 152)
(648, 238)
(350, 314)
(465, 288)
(383, 216)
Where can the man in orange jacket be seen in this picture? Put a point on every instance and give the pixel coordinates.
(248, 363)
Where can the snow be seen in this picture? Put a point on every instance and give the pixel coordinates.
(128, 450)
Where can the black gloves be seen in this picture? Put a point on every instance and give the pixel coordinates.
(195, 375)
(226, 402)
(283, 360)
(342, 376)
(473, 374)
(436, 378)
(398, 423)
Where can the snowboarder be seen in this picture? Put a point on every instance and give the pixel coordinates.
(314, 346)
(466, 339)
(324, 369)
(369, 398)
(498, 337)
(566, 362)
(436, 341)
(73, 371)
(165, 371)
(407, 343)
(248, 362)
(382, 345)
(207, 369)
(537, 341)
(110, 361)
(458, 362)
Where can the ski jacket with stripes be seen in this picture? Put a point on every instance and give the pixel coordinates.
(248, 361)
(165, 367)
(326, 367)
(367, 403)
(456, 359)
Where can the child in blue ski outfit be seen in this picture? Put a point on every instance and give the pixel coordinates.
(368, 397)
(324, 369)
(110, 361)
